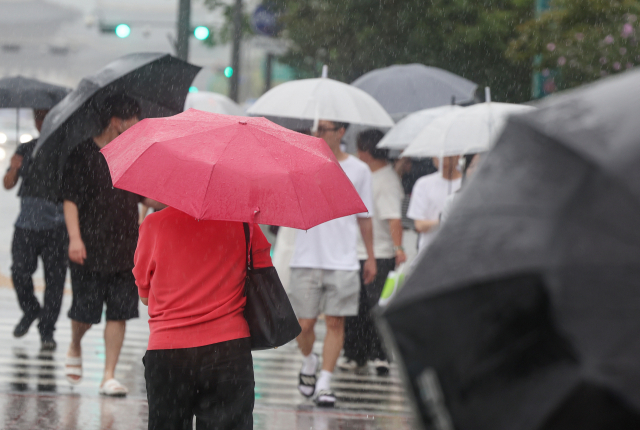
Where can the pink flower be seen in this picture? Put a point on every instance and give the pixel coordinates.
(616, 66)
(623, 51)
(562, 61)
(609, 39)
(545, 73)
(627, 30)
(603, 60)
(551, 46)
(603, 73)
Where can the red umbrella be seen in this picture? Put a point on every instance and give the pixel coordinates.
(223, 167)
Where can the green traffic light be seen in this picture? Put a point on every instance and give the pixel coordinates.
(201, 32)
(228, 71)
(123, 30)
(193, 89)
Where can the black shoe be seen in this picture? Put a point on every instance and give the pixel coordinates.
(48, 344)
(382, 367)
(23, 326)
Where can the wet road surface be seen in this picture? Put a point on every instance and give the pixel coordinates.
(34, 393)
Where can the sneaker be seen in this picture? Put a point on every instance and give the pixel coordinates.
(349, 365)
(23, 326)
(382, 367)
(48, 344)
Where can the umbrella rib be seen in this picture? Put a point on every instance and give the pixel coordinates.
(211, 175)
(288, 175)
(302, 148)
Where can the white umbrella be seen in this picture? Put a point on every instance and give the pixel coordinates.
(403, 133)
(321, 98)
(463, 131)
(213, 102)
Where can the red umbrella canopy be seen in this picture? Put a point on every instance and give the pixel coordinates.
(223, 167)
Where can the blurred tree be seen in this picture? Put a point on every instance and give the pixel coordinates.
(466, 37)
(579, 41)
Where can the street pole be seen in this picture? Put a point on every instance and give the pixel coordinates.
(235, 52)
(184, 29)
(268, 71)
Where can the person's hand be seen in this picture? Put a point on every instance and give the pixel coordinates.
(369, 271)
(16, 162)
(77, 251)
(401, 257)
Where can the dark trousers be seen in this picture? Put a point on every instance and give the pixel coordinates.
(51, 246)
(361, 339)
(214, 383)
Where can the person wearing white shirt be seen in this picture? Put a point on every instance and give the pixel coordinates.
(325, 273)
(429, 196)
(362, 342)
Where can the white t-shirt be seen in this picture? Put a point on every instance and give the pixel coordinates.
(387, 200)
(333, 244)
(427, 201)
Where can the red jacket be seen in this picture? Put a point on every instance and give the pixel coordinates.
(193, 273)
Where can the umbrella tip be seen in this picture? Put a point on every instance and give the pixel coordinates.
(325, 71)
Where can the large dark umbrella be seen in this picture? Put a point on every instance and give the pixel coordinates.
(159, 82)
(524, 313)
(20, 92)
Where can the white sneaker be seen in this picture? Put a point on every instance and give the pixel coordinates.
(382, 367)
(348, 365)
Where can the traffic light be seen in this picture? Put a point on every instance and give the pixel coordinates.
(228, 71)
(122, 30)
(201, 32)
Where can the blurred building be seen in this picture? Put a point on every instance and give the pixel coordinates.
(60, 41)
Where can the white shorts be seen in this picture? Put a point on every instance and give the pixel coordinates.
(334, 293)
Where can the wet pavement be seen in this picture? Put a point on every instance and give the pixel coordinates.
(35, 395)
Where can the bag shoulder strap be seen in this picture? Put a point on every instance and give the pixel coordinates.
(247, 237)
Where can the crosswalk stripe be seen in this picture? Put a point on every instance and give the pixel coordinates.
(24, 367)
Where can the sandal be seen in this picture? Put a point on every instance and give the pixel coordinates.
(325, 398)
(308, 381)
(113, 388)
(73, 367)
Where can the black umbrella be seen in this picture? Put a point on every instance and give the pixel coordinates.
(524, 313)
(159, 82)
(20, 92)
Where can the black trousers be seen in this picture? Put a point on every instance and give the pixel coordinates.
(51, 246)
(214, 383)
(361, 339)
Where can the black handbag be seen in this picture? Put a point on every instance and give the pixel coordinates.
(272, 322)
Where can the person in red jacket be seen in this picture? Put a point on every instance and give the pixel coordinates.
(191, 274)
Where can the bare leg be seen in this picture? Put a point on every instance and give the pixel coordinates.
(78, 329)
(332, 342)
(307, 337)
(113, 339)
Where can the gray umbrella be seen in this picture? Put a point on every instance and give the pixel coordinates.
(159, 82)
(408, 88)
(403, 89)
(20, 92)
(524, 313)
